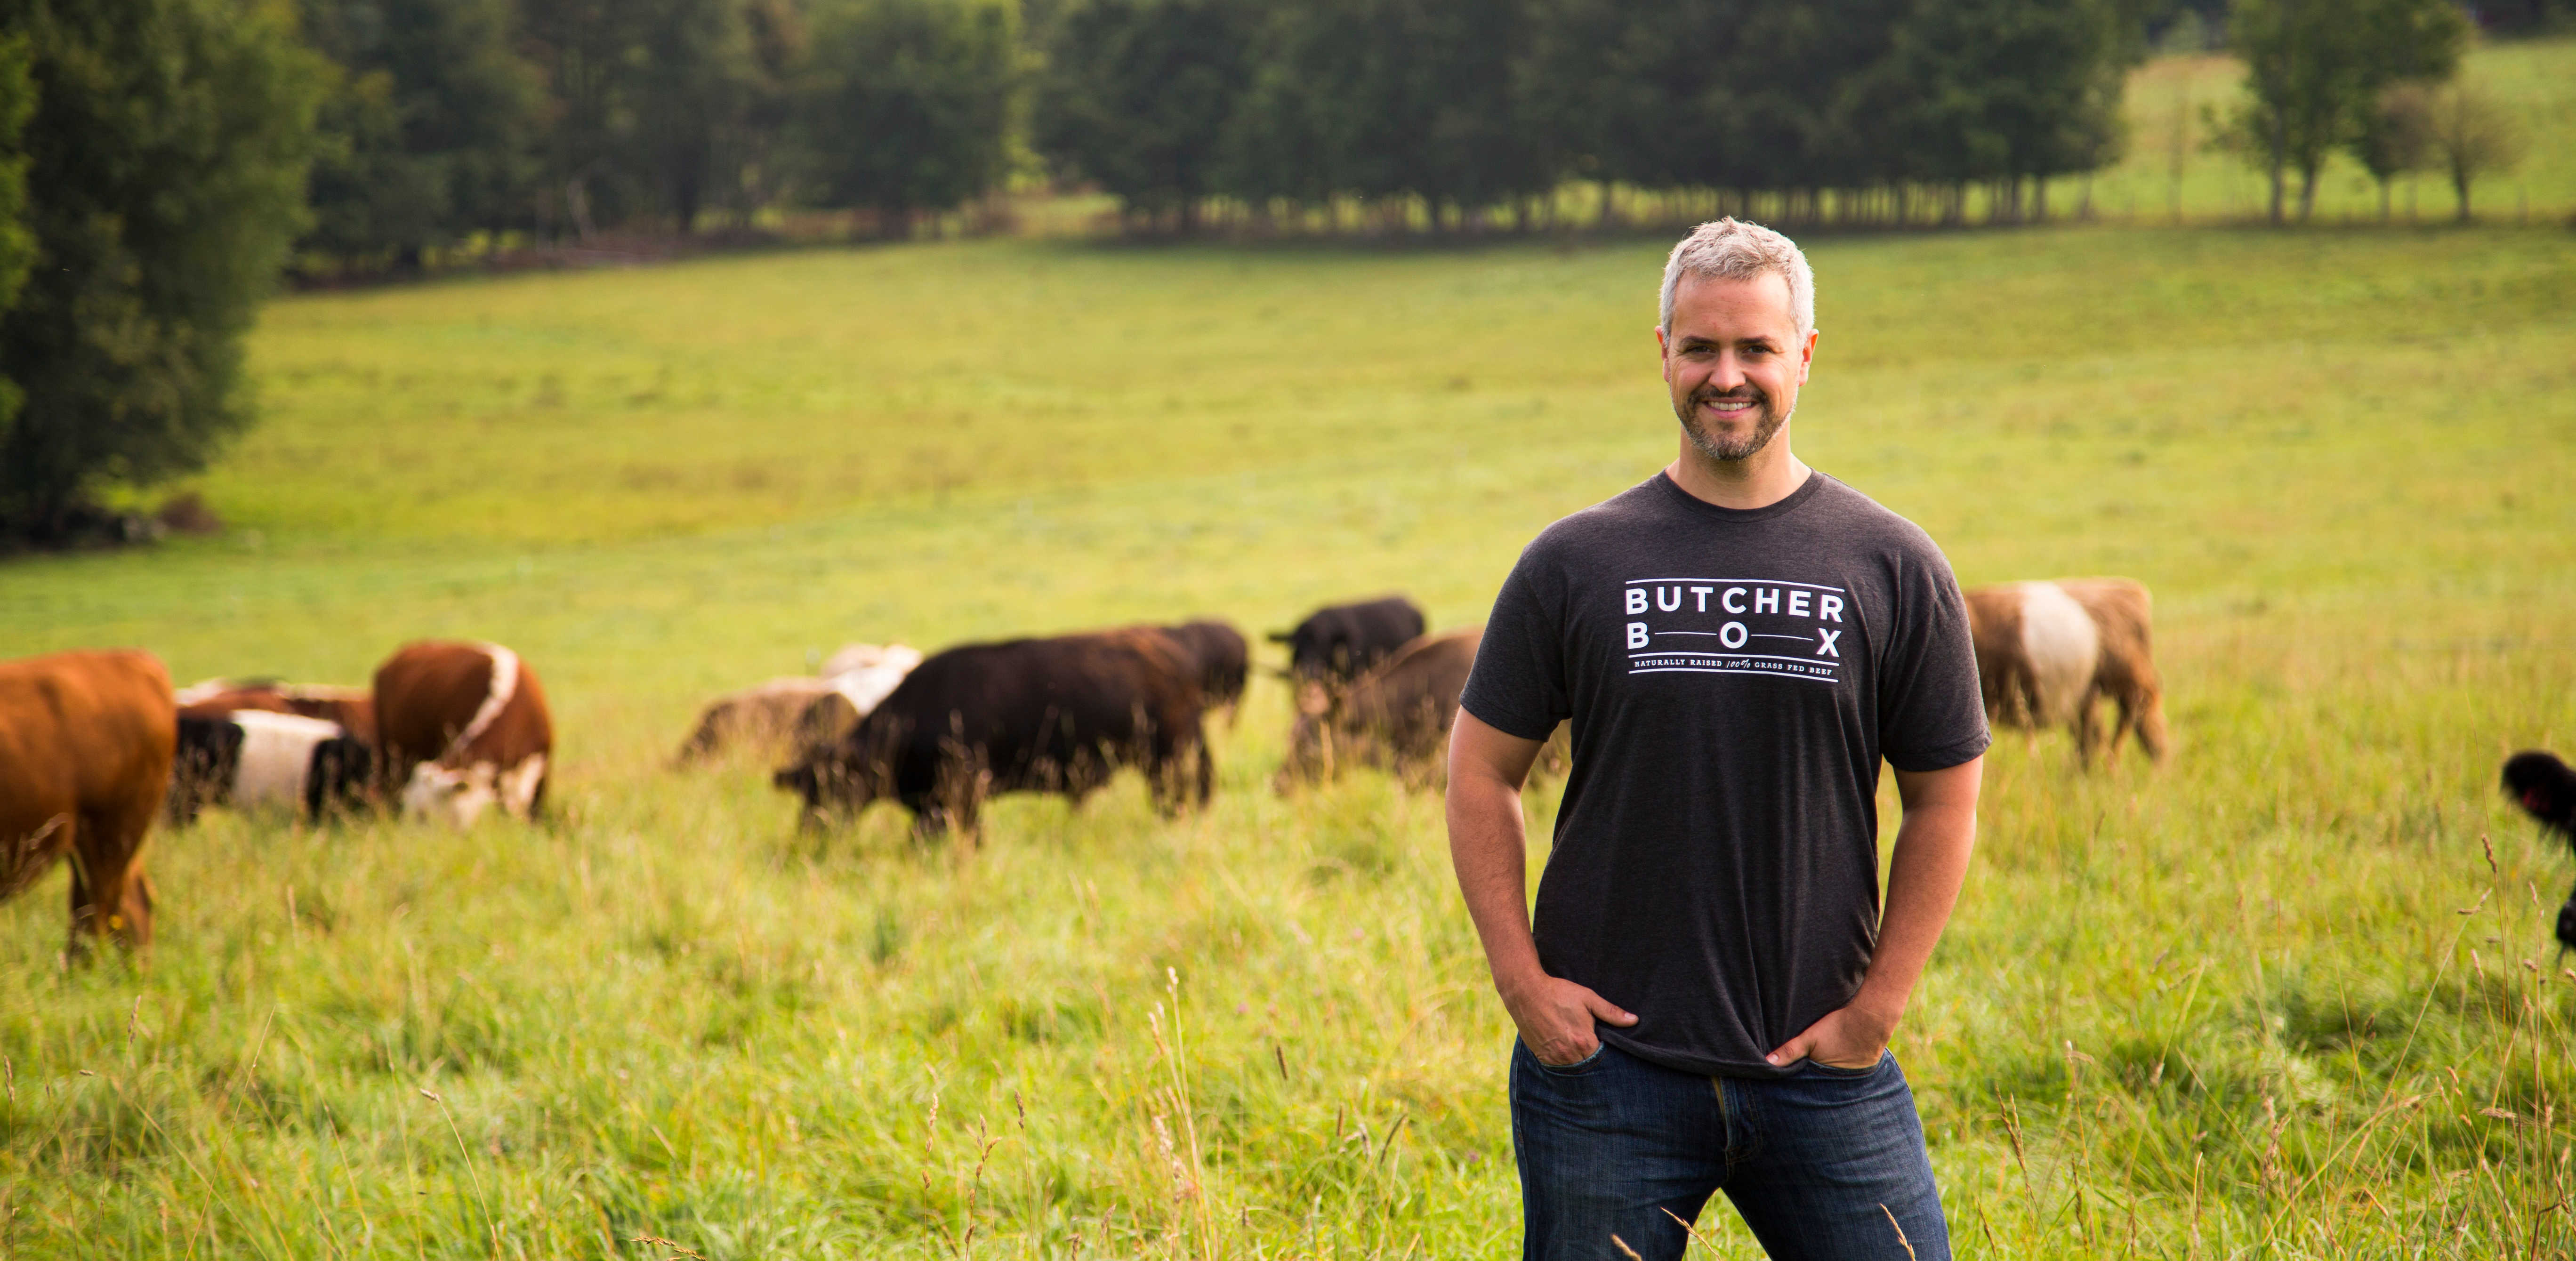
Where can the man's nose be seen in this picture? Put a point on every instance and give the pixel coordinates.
(1727, 373)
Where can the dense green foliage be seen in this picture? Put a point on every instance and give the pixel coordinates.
(908, 104)
(425, 132)
(165, 162)
(2224, 1008)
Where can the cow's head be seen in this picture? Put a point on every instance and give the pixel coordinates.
(835, 780)
(451, 795)
(1310, 737)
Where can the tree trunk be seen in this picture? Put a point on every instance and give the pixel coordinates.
(2307, 191)
(2384, 204)
(2461, 178)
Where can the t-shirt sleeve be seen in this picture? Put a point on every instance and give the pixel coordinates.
(1518, 684)
(1930, 714)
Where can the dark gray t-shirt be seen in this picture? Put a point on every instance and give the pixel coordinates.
(1733, 678)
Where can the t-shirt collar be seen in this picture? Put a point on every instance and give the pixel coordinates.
(1787, 503)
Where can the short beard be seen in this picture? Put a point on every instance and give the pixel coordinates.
(1730, 452)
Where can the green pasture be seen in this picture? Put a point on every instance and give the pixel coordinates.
(2271, 999)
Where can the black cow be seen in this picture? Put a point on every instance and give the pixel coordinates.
(1340, 643)
(1224, 660)
(255, 758)
(1054, 715)
(2546, 789)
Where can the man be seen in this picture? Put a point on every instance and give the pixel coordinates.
(1707, 999)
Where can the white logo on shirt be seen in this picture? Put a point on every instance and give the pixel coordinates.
(1734, 626)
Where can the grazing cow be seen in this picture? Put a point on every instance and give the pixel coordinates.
(2049, 652)
(762, 715)
(1340, 643)
(86, 741)
(259, 759)
(1054, 715)
(1396, 717)
(354, 708)
(812, 710)
(461, 726)
(2546, 790)
(1224, 661)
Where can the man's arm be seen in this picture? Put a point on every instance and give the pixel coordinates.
(1487, 843)
(1923, 878)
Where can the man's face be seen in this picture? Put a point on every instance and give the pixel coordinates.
(1734, 360)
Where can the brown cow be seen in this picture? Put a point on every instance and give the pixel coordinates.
(1395, 717)
(86, 740)
(2049, 652)
(354, 708)
(459, 727)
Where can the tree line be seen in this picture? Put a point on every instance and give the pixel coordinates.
(161, 161)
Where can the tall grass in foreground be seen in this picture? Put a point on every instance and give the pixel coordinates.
(2275, 999)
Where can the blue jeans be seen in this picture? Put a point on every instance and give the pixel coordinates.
(1608, 1145)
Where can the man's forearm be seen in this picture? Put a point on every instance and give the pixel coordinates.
(1488, 843)
(1924, 876)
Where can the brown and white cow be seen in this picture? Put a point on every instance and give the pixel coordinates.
(809, 711)
(86, 740)
(2050, 652)
(460, 727)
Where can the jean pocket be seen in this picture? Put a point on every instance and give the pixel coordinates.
(1584, 1065)
(1822, 1069)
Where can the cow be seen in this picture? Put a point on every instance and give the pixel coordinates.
(86, 743)
(1340, 643)
(1057, 715)
(1224, 661)
(2545, 787)
(810, 710)
(353, 708)
(259, 759)
(460, 727)
(2050, 652)
(1395, 717)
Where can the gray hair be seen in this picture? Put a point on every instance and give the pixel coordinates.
(1730, 249)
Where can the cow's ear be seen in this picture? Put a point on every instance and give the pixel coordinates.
(1281, 637)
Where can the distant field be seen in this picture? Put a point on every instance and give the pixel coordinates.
(2226, 1008)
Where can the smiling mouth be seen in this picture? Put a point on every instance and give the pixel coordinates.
(1731, 404)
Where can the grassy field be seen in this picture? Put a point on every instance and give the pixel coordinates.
(2230, 1007)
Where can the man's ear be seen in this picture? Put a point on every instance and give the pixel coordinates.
(1807, 354)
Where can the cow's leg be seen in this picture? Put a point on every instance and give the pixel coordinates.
(2151, 723)
(2087, 730)
(1207, 771)
(2567, 923)
(131, 895)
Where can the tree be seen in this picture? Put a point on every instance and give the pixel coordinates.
(166, 165)
(2395, 136)
(1138, 94)
(2001, 90)
(906, 105)
(427, 135)
(2315, 68)
(2473, 135)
